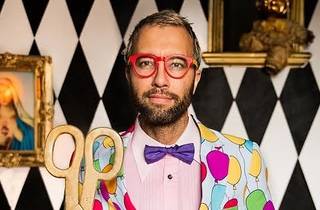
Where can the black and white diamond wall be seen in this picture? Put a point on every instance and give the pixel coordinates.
(85, 39)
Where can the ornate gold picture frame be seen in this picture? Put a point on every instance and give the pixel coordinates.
(216, 56)
(26, 109)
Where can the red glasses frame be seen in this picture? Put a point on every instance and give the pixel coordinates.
(133, 58)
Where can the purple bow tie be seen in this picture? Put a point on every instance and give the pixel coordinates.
(184, 153)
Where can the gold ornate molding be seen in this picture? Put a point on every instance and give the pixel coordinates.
(251, 59)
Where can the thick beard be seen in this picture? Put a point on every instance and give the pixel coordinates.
(157, 115)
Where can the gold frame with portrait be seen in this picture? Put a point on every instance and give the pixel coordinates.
(40, 68)
(216, 56)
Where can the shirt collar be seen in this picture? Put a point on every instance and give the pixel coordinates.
(140, 139)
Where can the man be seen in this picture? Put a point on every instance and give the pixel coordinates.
(172, 161)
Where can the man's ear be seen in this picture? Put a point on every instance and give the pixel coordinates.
(197, 78)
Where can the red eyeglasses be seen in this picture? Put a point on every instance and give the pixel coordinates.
(176, 66)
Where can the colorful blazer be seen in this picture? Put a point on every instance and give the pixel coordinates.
(233, 175)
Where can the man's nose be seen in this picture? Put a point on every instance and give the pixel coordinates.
(161, 76)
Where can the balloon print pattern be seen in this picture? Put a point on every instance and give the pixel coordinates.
(108, 189)
(228, 169)
(233, 176)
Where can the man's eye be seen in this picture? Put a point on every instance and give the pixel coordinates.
(145, 63)
(177, 64)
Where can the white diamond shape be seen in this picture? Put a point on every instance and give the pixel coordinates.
(233, 124)
(16, 35)
(309, 158)
(279, 153)
(101, 40)
(314, 26)
(100, 118)
(54, 186)
(64, 144)
(234, 76)
(58, 115)
(194, 13)
(12, 181)
(143, 9)
(65, 147)
(279, 80)
(56, 36)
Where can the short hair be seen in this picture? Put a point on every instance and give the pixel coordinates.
(163, 18)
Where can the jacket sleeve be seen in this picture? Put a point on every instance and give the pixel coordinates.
(257, 194)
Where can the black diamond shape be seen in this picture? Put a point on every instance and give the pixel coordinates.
(62, 205)
(1, 5)
(300, 100)
(34, 49)
(205, 7)
(79, 11)
(212, 99)
(117, 98)
(297, 195)
(123, 13)
(169, 4)
(54, 97)
(35, 10)
(34, 194)
(79, 96)
(3, 200)
(256, 100)
(309, 7)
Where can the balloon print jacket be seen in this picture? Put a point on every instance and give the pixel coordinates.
(233, 175)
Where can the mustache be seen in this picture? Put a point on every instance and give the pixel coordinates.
(160, 91)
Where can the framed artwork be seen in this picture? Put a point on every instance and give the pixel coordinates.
(26, 109)
(229, 19)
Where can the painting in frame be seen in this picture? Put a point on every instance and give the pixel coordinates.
(219, 19)
(26, 109)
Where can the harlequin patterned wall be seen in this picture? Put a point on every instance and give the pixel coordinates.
(85, 40)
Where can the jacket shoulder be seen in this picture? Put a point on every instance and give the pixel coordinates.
(210, 136)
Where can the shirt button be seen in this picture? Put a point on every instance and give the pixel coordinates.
(170, 176)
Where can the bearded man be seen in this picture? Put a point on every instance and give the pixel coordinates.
(172, 161)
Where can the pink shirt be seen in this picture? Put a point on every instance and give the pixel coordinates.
(168, 184)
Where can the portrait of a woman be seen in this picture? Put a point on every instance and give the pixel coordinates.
(16, 125)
